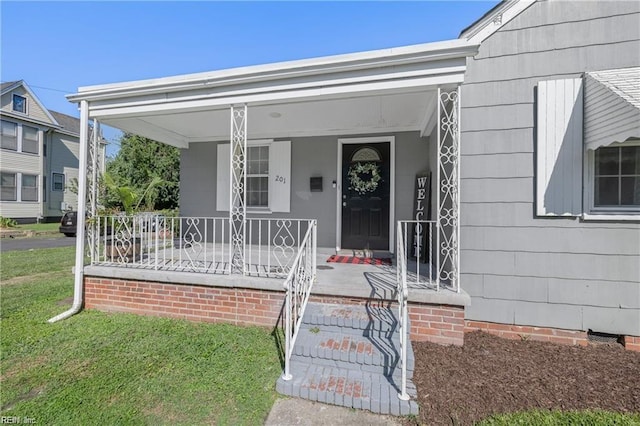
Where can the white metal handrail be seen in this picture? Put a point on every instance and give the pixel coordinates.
(298, 289)
(420, 254)
(403, 295)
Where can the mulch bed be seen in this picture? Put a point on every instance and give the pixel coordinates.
(491, 375)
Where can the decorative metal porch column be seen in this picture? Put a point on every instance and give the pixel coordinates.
(92, 174)
(448, 189)
(237, 193)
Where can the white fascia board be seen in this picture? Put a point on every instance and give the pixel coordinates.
(487, 26)
(268, 98)
(283, 70)
(452, 69)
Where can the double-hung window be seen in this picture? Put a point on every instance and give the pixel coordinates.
(58, 182)
(258, 176)
(29, 188)
(268, 176)
(9, 135)
(30, 141)
(9, 187)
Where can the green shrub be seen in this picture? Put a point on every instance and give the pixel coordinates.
(6, 222)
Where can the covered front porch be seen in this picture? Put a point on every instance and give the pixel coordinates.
(282, 166)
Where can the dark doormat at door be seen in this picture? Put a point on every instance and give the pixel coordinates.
(354, 260)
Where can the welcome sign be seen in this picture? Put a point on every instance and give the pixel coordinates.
(421, 211)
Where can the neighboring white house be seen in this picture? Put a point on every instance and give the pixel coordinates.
(528, 125)
(38, 157)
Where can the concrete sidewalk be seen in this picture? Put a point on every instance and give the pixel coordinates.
(295, 411)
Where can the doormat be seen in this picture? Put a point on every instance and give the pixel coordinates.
(354, 260)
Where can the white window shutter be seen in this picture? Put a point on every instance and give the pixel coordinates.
(559, 148)
(222, 179)
(280, 176)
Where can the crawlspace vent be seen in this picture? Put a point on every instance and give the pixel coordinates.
(598, 337)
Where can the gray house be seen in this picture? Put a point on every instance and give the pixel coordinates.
(550, 187)
(500, 171)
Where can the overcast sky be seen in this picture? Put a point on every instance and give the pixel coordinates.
(57, 47)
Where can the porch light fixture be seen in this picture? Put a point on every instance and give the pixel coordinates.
(275, 114)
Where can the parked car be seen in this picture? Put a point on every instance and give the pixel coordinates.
(69, 224)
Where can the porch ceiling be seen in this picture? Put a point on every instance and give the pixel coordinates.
(356, 115)
(369, 92)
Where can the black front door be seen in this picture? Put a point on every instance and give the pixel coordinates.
(365, 196)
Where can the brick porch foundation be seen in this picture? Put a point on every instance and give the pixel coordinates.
(442, 324)
(433, 323)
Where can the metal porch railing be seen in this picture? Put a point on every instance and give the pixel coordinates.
(196, 244)
(414, 240)
(298, 287)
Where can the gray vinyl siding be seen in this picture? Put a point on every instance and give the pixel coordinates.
(520, 269)
(62, 157)
(310, 156)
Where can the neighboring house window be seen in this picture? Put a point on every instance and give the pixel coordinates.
(9, 135)
(29, 190)
(617, 177)
(58, 182)
(44, 188)
(20, 104)
(258, 176)
(30, 142)
(268, 176)
(9, 188)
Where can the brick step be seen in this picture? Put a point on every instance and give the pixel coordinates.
(378, 352)
(355, 318)
(348, 388)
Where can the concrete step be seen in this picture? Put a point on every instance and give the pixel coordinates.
(348, 388)
(349, 356)
(375, 317)
(329, 346)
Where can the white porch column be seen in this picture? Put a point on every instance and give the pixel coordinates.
(237, 193)
(448, 189)
(80, 232)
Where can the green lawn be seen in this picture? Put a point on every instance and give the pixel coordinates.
(98, 368)
(562, 418)
(39, 227)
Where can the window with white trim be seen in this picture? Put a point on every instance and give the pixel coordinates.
(29, 188)
(258, 176)
(616, 178)
(30, 140)
(268, 176)
(9, 135)
(58, 182)
(9, 190)
(19, 104)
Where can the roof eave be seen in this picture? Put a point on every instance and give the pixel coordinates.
(385, 58)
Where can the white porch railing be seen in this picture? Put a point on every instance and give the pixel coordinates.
(414, 240)
(298, 287)
(420, 256)
(403, 315)
(196, 244)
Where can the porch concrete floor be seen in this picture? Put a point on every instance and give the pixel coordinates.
(333, 279)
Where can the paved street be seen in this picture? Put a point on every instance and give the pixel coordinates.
(8, 244)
